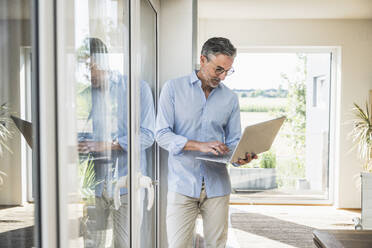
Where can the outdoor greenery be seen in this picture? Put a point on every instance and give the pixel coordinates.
(265, 160)
(361, 135)
(290, 102)
(5, 130)
(268, 160)
(295, 125)
(269, 93)
(262, 104)
(87, 178)
(288, 171)
(260, 108)
(5, 134)
(296, 105)
(83, 100)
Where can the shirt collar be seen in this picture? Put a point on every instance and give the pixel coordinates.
(194, 78)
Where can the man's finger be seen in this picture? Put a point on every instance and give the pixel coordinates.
(241, 161)
(220, 144)
(248, 155)
(214, 151)
(224, 148)
(218, 149)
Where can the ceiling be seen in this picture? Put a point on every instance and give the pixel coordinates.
(285, 9)
(245, 9)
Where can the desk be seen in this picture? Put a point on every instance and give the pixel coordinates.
(342, 238)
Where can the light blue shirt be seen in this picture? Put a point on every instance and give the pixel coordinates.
(111, 125)
(185, 114)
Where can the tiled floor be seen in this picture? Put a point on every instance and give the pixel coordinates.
(16, 226)
(12, 218)
(241, 234)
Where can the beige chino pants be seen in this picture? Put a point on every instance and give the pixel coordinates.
(182, 212)
(104, 209)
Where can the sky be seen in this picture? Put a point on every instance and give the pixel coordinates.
(261, 70)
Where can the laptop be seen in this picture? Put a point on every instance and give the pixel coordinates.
(25, 128)
(256, 139)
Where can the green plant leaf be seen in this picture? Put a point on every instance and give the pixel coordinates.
(361, 134)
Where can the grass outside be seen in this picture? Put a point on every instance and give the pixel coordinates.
(262, 101)
(261, 104)
(287, 167)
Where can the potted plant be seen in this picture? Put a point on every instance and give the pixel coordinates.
(257, 175)
(87, 184)
(5, 134)
(361, 137)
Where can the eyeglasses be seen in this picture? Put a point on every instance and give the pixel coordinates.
(220, 70)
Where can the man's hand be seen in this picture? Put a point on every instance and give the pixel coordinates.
(248, 158)
(215, 147)
(97, 146)
(92, 146)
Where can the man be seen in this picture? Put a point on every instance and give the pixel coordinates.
(107, 144)
(199, 114)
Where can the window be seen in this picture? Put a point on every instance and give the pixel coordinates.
(297, 85)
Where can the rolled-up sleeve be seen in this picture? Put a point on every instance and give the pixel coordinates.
(147, 124)
(165, 135)
(122, 109)
(233, 127)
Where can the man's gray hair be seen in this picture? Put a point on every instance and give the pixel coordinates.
(218, 45)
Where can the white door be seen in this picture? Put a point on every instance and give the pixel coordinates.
(106, 88)
(144, 87)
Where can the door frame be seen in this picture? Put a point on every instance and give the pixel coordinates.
(134, 116)
(53, 197)
(44, 124)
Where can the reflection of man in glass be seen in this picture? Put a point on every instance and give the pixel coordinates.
(108, 143)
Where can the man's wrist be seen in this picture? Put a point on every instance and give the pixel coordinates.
(193, 145)
(115, 145)
(198, 145)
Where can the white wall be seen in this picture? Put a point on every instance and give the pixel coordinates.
(175, 39)
(175, 60)
(286, 9)
(14, 35)
(355, 39)
(317, 121)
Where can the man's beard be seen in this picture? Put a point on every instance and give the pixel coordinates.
(214, 82)
(211, 82)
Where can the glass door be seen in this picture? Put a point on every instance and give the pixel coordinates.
(19, 140)
(106, 84)
(93, 94)
(295, 84)
(143, 88)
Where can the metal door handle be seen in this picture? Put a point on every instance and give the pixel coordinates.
(121, 183)
(146, 182)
